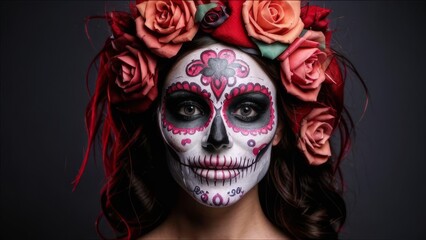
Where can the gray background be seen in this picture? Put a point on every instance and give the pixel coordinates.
(44, 56)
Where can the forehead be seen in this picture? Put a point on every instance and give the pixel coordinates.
(179, 71)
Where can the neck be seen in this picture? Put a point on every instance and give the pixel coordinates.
(242, 220)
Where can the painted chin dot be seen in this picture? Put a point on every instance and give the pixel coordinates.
(204, 197)
(217, 200)
(185, 141)
(251, 143)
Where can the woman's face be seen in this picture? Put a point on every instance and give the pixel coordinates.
(218, 118)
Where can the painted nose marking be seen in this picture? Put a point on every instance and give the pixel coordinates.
(218, 137)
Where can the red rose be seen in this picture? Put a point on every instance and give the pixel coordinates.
(214, 17)
(315, 18)
(135, 70)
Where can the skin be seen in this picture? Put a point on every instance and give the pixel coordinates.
(242, 220)
(205, 124)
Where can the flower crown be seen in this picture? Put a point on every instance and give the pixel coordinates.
(296, 37)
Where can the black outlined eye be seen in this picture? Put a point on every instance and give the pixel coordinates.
(189, 110)
(251, 110)
(246, 111)
(185, 109)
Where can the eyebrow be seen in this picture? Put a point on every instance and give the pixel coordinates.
(257, 78)
(186, 86)
(248, 88)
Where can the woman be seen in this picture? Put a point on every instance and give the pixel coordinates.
(215, 119)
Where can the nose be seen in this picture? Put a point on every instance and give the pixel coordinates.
(218, 137)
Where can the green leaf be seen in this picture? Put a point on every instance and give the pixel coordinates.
(271, 51)
(202, 10)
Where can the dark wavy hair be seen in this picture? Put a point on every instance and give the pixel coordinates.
(302, 200)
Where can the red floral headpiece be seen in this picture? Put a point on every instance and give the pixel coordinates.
(296, 37)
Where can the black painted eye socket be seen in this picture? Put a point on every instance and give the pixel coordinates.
(189, 110)
(249, 111)
(186, 109)
(246, 111)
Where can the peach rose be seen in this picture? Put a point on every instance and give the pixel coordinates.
(302, 66)
(315, 131)
(165, 25)
(272, 21)
(134, 88)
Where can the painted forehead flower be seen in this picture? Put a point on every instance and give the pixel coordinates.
(218, 69)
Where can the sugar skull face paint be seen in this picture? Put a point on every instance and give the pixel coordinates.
(218, 118)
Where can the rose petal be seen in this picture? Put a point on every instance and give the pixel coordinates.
(164, 25)
(302, 72)
(314, 134)
(272, 21)
(187, 36)
(134, 88)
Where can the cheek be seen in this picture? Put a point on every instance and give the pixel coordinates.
(253, 144)
(183, 136)
(255, 140)
(181, 142)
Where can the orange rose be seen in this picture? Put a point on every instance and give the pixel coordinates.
(165, 25)
(134, 88)
(315, 131)
(272, 21)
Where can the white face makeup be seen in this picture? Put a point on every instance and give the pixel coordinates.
(218, 118)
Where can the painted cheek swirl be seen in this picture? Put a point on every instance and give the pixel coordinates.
(250, 88)
(190, 87)
(218, 70)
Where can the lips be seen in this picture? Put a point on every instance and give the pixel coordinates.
(215, 174)
(219, 162)
(217, 167)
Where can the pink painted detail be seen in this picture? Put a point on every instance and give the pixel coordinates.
(251, 143)
(220, 162)
(204, 194)
(257, 150)
(190, 87)
(216, 167)
(216, 174)
(218, 70)
(218, 86)
(185, 141)
(204, 197)
(218, 200)
(247, 88)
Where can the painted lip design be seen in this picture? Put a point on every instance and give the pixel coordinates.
(216, 174)
(219, 167)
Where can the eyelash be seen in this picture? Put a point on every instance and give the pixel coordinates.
(180, 110)
(253, 107)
